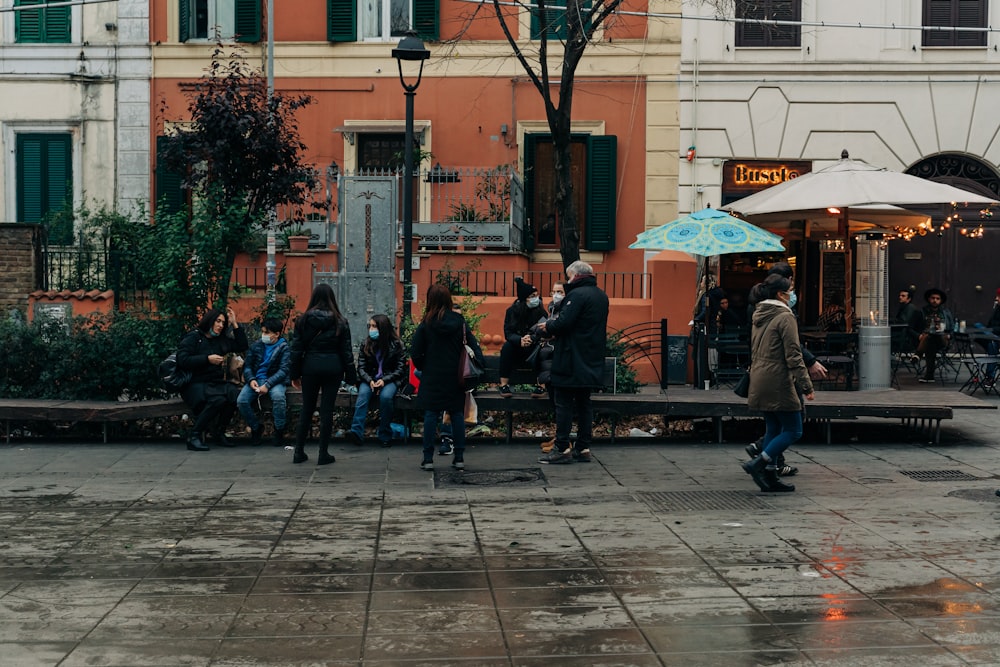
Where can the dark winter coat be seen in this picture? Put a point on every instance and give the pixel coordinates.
(994, 322)
(394, 366)
(939, 321)
(911, 316)
(322, 346)
(580, 331)
(778, 374)
(519, 319)
(195, 348)
(278, 366)
(436, 351)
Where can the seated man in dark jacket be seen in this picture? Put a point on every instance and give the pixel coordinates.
(265, 373)
(522, 315)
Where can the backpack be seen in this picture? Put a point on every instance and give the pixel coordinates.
(173, 378)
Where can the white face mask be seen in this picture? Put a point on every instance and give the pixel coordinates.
(556, 298)
(533, 302)
(264, 338)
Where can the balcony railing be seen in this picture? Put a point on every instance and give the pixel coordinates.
(501, 283)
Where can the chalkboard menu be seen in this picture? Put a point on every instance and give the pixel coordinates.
(833, 276)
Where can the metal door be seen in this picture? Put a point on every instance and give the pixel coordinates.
(365, 283)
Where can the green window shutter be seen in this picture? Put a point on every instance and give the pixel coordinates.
(170, 196)
(529, 190)
(426, 19)
(248, 20)
(341, 20)
(556, 19)
(602, 171)
(44, 168)
(28, 23)
(183, 20)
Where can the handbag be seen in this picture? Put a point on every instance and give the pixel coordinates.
(471, 370)
(742, 388)
(173, 378)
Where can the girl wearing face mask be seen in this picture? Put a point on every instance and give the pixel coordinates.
(382, 369)
(778, 377)
(543, 360)
(522, 315)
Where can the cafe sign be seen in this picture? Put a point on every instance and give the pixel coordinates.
(749, 176)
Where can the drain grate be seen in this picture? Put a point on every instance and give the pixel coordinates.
(673, 501)
(939, 475)
(510, 477)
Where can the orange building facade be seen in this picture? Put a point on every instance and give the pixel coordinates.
(475, 110)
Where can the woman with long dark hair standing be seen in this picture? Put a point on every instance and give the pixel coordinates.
(209, 395)
(382, 368)
(321, 360)
(778, 377)
(437, 349)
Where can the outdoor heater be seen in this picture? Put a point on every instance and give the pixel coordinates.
(872, 308)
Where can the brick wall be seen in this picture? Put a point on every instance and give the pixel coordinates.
(20, 264)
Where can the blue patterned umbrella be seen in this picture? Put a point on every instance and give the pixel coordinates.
(709, 232)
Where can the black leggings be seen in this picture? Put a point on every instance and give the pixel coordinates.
(211, 402)
(312, 385)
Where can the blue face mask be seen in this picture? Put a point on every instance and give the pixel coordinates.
(793, 298)
(534, 302)
(373, 334)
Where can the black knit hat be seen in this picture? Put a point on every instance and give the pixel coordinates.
(935, 290)
(524, 289)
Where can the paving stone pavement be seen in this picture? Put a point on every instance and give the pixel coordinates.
(661, 553)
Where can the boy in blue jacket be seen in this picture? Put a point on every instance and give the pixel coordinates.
(265, 373)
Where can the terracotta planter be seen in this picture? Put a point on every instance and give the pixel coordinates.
(298, 243)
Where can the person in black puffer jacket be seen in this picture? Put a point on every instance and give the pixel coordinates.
(522, 315)
(546, 351)
(321, 360)
(209, 395)
(382, 368)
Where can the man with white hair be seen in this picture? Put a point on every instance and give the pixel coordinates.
(580, 331)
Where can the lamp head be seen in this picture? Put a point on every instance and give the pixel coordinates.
(410, 48)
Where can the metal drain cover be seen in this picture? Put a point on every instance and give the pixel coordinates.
(674, 501)
(509, 477)
(939, 475)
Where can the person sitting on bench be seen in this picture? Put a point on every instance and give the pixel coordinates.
(523, 314)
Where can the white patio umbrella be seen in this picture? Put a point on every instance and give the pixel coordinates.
(840, 187)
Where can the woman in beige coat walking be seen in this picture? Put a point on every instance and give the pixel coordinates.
(778, 377)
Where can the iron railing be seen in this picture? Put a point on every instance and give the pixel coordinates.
(618, 285)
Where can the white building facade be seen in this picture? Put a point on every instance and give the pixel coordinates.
(74, 108)
(892, 82)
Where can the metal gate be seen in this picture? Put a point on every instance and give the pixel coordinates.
(365, 283)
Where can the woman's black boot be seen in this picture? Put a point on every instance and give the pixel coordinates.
(325, 457)
(755, 468)
(775, 484)
(299, 455)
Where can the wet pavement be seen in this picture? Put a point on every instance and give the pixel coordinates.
(653, 554)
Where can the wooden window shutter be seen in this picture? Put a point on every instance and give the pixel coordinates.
(183, 20)
(248, 28)
(341, 20)
(170, 196)
(28, 23)
(957, 13)
(556, 19)
(426, 19)
(971, 14)
(602, 205)
(45, 179)
(755, 35)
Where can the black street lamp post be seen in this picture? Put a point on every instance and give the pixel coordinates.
(410, 48)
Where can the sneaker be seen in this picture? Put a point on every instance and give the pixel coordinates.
(752, 450)
(538, 391)
(447, 447)
(458, 464)
(555, 456)
(548, 445)
(427, 465)
(354, 438)
(581, 456)
(505, 391)
(787, 471)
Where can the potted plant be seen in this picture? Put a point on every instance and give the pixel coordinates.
(296, 238)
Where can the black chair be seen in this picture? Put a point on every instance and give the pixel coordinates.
(903, 351)
(838, 351)
(981, 367)
(731, 358)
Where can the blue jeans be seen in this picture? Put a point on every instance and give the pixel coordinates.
(386, 396)
(431, 418)
(279, 406)
(782, 429)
